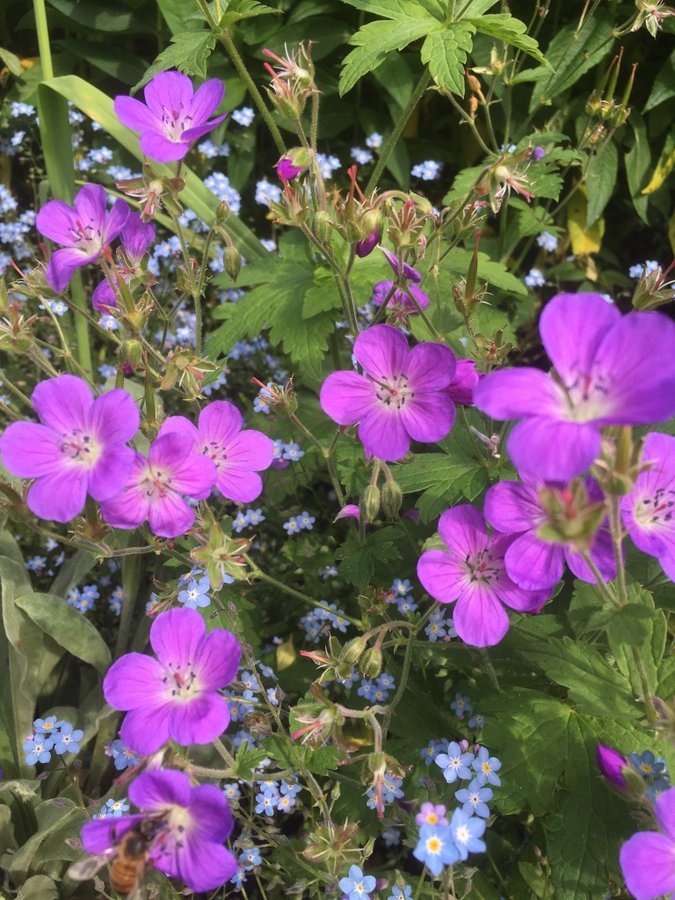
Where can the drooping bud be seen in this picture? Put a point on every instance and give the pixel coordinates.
(370, 665)
(232, 261)
(370, 504)
(352, 650)
(392, 498)
(323, 227)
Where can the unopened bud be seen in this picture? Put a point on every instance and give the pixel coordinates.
(370, 503)
(371, 663)
(232, 261)
(352, 651)
(323, 227)
(392, 497)
(130, 355)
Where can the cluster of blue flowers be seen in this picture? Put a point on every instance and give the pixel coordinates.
(377, 691)
(429, 170)
(547, 241)
(374, 140)
(645, 268)
(246, 518)
(318, 622)
(457, 763)
(243, 116)
(267, 193)
(303, 522)
(535, 278)
(248, 857)
(272, 796)
(83, 599)
(245, 693)
(361, 156)
(51, 734)
(653, 770)
(443, 845)
(388, 789)
(286, 453)
(327, 164)
(14, 230)
(113, 809)
(440, 626)
(400, 594)
(219, 184)
(122, 757)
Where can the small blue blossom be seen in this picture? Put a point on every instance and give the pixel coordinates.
(406, 605)
(250, 858)
(357, 886)
(259, 405)
(475, 798)
(232, 791)
(219, 185)
(115, 600)
(266, 803)
(487, 766)
(240, 521)
(432, 750)
(435, 631)
(427, 171)
(210, 150)
(386, 682)
(401, 588)
(196, 593)
(267, 193)
(255, 516)
(122, 757)
(391, 837)
(374, 141)
(366, 690)
(116, 808)
(306, 521)
(535, 278)
(36, 564)
(293, 452)
(476, 722)
(58, 307)
(645, 268)
(16, 109)
(362, 157)
(390, 789)
(67, 740)
(291, 527)
(107, 371)
(48, 726)
(461, 705)
(327, 164)
(646, 764)
(243, 116)
(436, 848)
(37, 749)
(547, 241)
(329, 572)
(454, 763)
(401, 893)
(466, 833)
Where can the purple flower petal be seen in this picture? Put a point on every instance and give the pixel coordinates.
(612, 763)
(55, 221)
(63, 403)
(64, 263)
(156, 790)
(110, 474)
(115, 416)
(204, 866)
(179, 425)
(460, 389)
(463, 530)
(195, 476)
(553, 450)
(665, 812)
(572, 327)
(220, 421)
(382, 352)
(239, 485)
(160, 148)
(29, 450)
(602, 554)
(383, 434)
(648, 865)
(512, 507)
(219, 655)
(60, 496)
(168, 91)
(430, 367)
(428, 417)
(512, 393)
(250, 450)
(347, 397)
(130, 507)
(439, 573)
(480, 619)
(146, 729)
(199, 721)
(90, 203)
(104, 297)
(102, 835)
(134, 681)
(534, 564)
(212, 817)
(134, 114)
(176, 635)
(115, 221)
(193, 134)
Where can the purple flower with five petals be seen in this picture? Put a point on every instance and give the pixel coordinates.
(83, 230)
(472, 574)
(237, 454)
(609, 370)
(173, 116)
(648, 858)
(79, 449)
(532, 562)
(399, 398)
(400, 303)
(157, 486)
(136, 237)
(176, 696)
(648, 512)
(186, 826)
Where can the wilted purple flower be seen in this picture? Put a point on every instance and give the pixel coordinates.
(174, 697)
(609, 370)
(157, 485)
(136, 237)
(79, 449)
(349, 511)
(400, 303)
(237, 454)
(534, 563)
(408, 272)
(366, 246)
(472, 573)
(649, 510)
(83, 230)
(647, 858)
(399, 398)
(173, 116)
(186, 827)
(612, 763)
(460, 389)
(287, 170)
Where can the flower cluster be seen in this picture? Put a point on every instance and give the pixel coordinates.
(319, 622)
(281, 796)
(51, 734)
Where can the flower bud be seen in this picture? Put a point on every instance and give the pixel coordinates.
(392, 497)
(352, 651)
(370, 665)
(323, 227)
(370, 503)
(130, 355)
(232, 261)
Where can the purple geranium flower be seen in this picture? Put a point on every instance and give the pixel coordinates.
(83, 230)
(136, 237)
(460, 389)
(366, 246)
(532, 562)
(399, 398)
(648, 858)
(400, 304)
(78, 449)
(472, 573)
(609, 370)
(408, 272)
(649, 510)
(612, 763)
(187, 825)
(174, 697)
(157, 485)
(287, 170)
(173, 116)
(237, 454)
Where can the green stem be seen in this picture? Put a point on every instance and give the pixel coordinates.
(392, 140)
(239, 65)
(650, 712)
(43, 38)
(471, 123)
(616, 531)
(6, 383)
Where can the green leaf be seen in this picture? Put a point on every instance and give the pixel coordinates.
(638, 162)
(247, 759)
(69, 628)
(114, 61)
(360, 558)
(236, 10)
(12, 62)
(392, 9)
(373, 42)
(322, 296)
(443, 480)
(489, 270)
(638, 627)
(571, 53)
(98, 14)
(664, 86)
(189, 52)
(446, 51)
(507, 28)
(600, 181)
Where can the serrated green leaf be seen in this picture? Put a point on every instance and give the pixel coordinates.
(507, 28)
(638, 161)
(188, 52)
(69, 628)
(360, 558)
(322, 296)
(373, 42)
(247, 759)
(442, 480)
(445, 53)
(391, 9)
(236, 10)
(489, 270)
(638, 627)
(600, 182)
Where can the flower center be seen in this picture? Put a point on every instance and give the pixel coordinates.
(80, 448)
(181, 681)
(462, 834)
(434, 845)
(657, 510)
(215, 452)
(432, 818)
(482, 568)
(156, 483)
(86, 236)
(395, 392)
(587, 396)
(175, 122)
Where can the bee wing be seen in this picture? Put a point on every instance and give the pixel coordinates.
(84, 869)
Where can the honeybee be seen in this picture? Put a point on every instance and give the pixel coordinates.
(128, 857)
